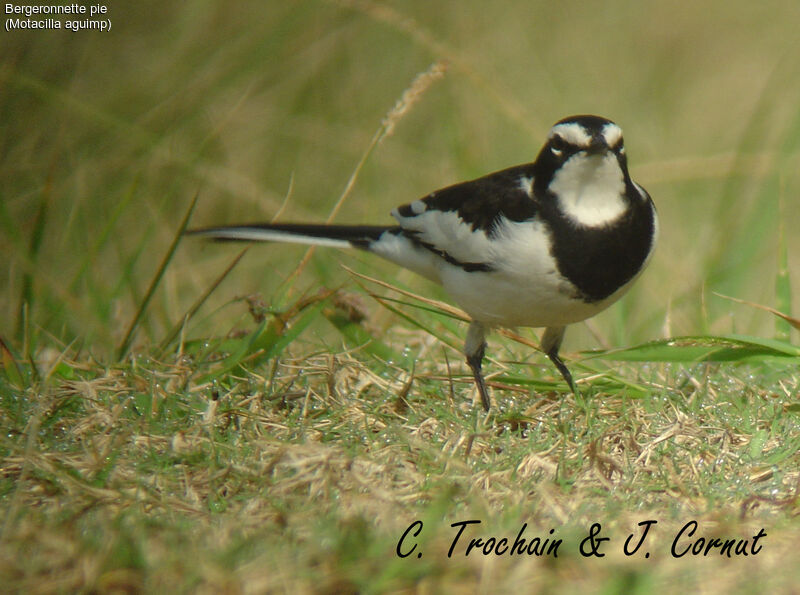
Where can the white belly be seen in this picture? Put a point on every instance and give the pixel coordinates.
(524, 287)
(498, 299)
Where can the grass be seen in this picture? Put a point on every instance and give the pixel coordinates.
(303, 475)
(179, 416)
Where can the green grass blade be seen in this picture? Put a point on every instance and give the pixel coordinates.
(103, 236)
(356, 335)
(9, 227)
(775, 347)
(10, 366)
(274, 348)
(238, 350)
(126, 342)
(729, 348)
(783, 287)
(266, 342)
(26, 298)
(418, 323)
(176, 329)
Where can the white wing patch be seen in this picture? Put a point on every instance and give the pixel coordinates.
(418, 207)
(446, 231)
(526, 184)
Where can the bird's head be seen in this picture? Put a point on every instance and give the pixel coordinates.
(583, 166)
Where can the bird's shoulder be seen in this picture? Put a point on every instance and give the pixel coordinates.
(478, 204)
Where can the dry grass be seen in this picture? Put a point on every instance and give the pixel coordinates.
(304, 481)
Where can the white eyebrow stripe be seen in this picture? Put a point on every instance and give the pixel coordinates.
(572, 132)
(612, 134)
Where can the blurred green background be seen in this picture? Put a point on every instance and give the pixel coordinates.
(106, 137)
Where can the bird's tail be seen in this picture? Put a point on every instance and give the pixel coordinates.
(389, 242)
(336, 236)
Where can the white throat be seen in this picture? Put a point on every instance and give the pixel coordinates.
(590, 189)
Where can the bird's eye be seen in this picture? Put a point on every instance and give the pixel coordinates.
(557, 145)
(620, 147)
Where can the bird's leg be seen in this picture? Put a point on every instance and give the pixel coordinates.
(474, 348)
(551, 343)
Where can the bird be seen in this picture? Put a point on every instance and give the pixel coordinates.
(544, 244)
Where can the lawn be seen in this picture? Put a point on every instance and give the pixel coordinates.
(179, 415)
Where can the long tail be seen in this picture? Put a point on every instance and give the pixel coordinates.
(336, 236)
(389, 242)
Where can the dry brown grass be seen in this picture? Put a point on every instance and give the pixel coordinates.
(305, 481)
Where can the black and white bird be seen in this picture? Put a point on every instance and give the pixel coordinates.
(545, 244)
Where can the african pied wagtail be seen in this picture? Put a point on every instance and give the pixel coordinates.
(544, 244)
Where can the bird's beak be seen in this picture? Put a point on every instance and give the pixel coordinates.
(598, 146)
